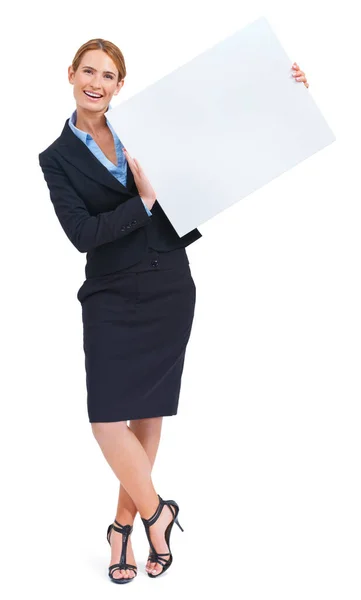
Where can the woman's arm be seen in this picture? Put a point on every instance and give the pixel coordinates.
(83, 230)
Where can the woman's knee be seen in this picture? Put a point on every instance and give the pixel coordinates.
(147, 423)
(105, 429)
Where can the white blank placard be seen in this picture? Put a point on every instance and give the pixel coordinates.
(221, 126)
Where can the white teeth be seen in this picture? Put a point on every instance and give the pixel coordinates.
(92, 95)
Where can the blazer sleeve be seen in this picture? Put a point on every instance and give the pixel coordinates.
(84, 230)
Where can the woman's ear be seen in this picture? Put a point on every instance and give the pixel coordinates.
(70, 74)
(119, 87)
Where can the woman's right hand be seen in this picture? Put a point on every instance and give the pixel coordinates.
(144, 187)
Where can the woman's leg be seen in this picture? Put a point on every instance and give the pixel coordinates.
(129, 461)
(148, 432)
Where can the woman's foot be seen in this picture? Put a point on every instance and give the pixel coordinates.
(116, 540)
(157, 536)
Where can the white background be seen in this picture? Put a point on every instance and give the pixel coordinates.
(263, 457)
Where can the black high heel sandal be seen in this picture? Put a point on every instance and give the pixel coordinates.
(155, 556)
(126, 530)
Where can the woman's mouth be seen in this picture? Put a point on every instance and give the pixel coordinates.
(93, 98)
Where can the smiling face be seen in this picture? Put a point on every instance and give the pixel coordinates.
(96, 73)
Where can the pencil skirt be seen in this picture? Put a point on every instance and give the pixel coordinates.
(136, 326)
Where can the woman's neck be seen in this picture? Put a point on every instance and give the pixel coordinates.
(93, 123)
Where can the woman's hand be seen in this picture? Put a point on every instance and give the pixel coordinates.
(299, 75)
(144, 187)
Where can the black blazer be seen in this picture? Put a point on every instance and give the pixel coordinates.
(100, 216)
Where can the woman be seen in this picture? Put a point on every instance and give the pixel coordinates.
(137, 300)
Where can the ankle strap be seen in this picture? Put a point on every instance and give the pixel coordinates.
(122, 528)
(154, 517)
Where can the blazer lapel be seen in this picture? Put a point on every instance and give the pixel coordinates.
(79, 155)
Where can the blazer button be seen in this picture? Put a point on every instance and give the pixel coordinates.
(154, 263)
(122, 228)
(127, 226)
(133, 222)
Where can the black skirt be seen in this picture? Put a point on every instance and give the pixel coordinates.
(136, 326)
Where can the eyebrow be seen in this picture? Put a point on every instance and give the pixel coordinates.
(88, 67)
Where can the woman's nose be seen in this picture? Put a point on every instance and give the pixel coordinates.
(96, 82)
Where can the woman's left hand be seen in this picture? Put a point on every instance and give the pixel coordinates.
(299, 75)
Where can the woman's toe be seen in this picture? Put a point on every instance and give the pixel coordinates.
(153, 568)
(117, 574)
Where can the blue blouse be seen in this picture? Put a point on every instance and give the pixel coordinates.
(119, 171)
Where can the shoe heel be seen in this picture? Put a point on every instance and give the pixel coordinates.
(173, 503)
(178, 523)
